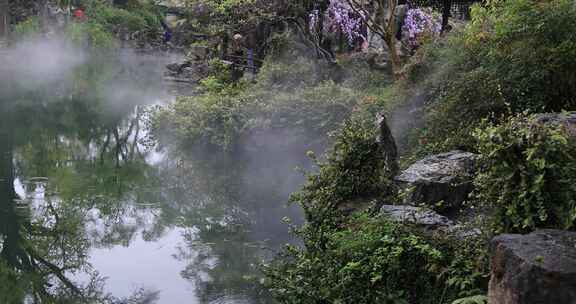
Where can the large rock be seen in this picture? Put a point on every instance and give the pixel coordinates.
(445, 178)
(355, 205)
(187, 71)
(429, 220)
(198, 53)
(538, 268)
(415, 215)
(387, 144)
(174, 21)
(566, 120)
(172, 3)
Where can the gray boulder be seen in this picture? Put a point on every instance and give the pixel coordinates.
(537, 268)
(445, 177)
(566, 120)
(387, 144)
(416, 215)
(187, 71)
(198, 53)
(171, 3)
(355, 205)
(429, 220)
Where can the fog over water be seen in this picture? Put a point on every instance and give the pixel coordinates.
(104, 215)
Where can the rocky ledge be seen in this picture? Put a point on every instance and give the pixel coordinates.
(536, 268)
(443, 178)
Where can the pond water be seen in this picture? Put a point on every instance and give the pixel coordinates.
(91, 211)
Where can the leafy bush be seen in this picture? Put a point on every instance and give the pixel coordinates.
(514, 56)
(92, 35)
(12, 287)
(213, 119)
(224, 114)
(367, 260)
(113, 18)
(478, 299)
(528, 175)
(104, 21)
(28, 27)
(288, 95)
(293, 73)
(354, 168)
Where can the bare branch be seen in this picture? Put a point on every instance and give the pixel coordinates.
(57, 271)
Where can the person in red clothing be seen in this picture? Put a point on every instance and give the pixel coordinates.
(79, 15)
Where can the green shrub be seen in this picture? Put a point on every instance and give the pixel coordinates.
(12, 289)
(135, 18)
(28, 27)
(354, 168)
(292, 73)
(315, 110)
(90, 34)
(528, 175)
(477, 299)
(225, 113)
(368, 260)
(211, 118)
(514, 56)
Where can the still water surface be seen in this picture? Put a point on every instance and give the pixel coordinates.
(91, 211)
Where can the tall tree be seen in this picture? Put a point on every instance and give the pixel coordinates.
(380, 18)
(4, 18)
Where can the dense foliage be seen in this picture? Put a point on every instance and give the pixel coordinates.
(301, 95)
(134, 18)
(529, 175)
(371, 260)
(354, 168)
(513, 56)
(367, 259)
(222, 119)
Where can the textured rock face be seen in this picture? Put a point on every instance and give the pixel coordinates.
(198, 53)
(387, 144)
(415, 215)
(566, 120)
(356, 205)
(538, 268)
(429, 220)
(172, 3)
(438, 178)
(187, 71)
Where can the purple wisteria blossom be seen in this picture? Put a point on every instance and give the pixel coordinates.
(420, 22)
(343, 18)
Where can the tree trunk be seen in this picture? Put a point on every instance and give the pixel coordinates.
(388, 12)
(42, 6)
(4, 19)
(446, 6)
(394, 57)
(9, 226)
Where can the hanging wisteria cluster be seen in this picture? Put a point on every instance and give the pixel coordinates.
(419, 22)
(342, 17)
